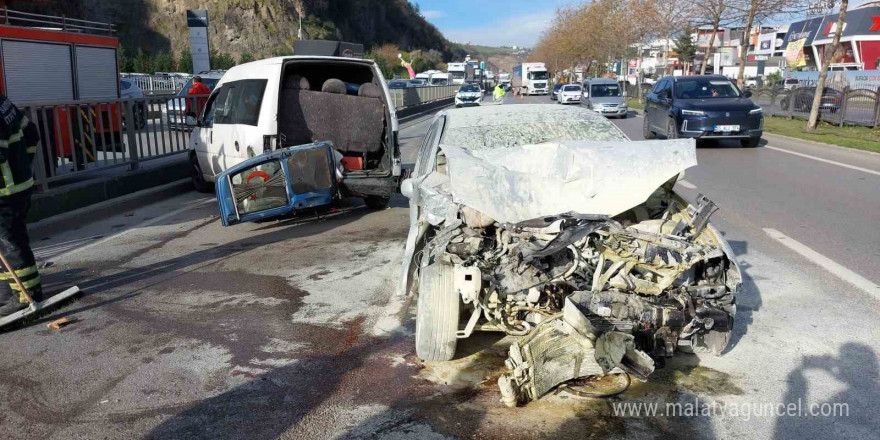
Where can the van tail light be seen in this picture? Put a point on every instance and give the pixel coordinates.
(270, 143)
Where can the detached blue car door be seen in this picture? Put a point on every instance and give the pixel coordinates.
(277, 183)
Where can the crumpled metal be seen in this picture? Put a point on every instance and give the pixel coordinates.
(526, 182)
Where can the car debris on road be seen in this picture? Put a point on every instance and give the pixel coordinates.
(579, 246)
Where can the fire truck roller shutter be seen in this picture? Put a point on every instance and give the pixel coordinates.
(96, 73)
(37, 71)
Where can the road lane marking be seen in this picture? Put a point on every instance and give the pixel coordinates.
(198, 203)
(687, 184)
(825, 262)
(852, 167)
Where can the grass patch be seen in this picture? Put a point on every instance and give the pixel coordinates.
(634, 103)
(859, 138)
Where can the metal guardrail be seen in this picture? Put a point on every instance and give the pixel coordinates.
(85, 137)
(80, 138)
(157, 84)
(18, 18)
(412, 96)
(838, 106)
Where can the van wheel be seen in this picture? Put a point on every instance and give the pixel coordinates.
(437, 314)
(646, 129)
(376, 202)
(198, 180)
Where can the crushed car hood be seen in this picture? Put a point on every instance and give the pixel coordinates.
(517, 184)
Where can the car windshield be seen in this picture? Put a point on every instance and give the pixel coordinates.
(604, 90)
(571, 89)
(469, 88)
(517, 134)
(438, 81)
(418, 82)
(701, 88)
(210, 82)
(557, 86)
(397, 84)
(124, 85)
(457, 75)
(538, 75)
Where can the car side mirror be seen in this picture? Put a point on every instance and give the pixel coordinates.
(191, 121)
(406, 188)
(747, 94)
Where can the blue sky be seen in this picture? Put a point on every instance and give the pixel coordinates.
(505, 23)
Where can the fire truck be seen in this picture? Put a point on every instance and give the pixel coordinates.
(46, 62)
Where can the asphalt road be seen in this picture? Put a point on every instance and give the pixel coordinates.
(290, 328)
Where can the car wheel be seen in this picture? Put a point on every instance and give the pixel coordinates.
(750, 142)
(646, 129)
(671, 130)
(437, 313)
(197, 178)
(376, 202)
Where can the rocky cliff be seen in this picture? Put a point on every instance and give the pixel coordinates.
(260, 27)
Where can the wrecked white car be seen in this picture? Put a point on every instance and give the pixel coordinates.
(549, 223)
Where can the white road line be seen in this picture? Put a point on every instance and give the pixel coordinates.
(825, 262)
(852, 167)
(687, 184)
(144, 224)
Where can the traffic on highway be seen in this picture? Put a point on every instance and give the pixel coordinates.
(502, 248)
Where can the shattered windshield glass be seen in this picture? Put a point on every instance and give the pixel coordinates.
(514, 135)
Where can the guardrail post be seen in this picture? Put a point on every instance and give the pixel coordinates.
(843, 105)
(877, 108)
(131, 135)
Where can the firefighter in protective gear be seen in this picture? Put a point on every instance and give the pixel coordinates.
(18, 145)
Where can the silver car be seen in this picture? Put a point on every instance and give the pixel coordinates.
(604, 95)
(547, 222)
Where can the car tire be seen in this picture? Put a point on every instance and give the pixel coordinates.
(750, 142)
(437, 313)
(376, 202)
(646, 129)
(671, 129)
(197, 178)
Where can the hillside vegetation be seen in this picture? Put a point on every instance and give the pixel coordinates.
(253, 28)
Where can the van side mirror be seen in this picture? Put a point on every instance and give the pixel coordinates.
(406, 188)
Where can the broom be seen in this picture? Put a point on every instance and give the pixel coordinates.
(34, 308)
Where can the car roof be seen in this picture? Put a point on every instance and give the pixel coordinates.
(709, 77)
(520, 114)
(601, 80)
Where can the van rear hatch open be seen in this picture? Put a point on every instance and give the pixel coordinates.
(340, 101)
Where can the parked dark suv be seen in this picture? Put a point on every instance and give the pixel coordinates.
(702, 107)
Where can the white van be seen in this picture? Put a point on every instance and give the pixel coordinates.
(267, 105)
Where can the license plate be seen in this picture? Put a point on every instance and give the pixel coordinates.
(725, 128)
(609, 110)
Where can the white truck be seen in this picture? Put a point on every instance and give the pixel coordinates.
(457, 72)
(504, 80)
(530, 79)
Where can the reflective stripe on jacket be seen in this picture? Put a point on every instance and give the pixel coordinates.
(18, 145)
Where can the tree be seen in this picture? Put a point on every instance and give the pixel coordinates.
(185, 63)
(143, 63)
(245, 57)
(686, 48)
(164, 62)
(716, 13)
(665, 18)
(221, 61)
(126, 62)
(758, 11)
(830, 52)
(772, 78)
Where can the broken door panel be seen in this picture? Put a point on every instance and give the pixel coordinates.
(276, 183)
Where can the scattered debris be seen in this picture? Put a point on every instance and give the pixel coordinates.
(58, 323)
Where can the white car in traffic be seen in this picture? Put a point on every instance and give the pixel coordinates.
(468, 94)
(569, 93)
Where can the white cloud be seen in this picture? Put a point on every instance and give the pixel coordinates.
(433, 14)
(521, 30)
